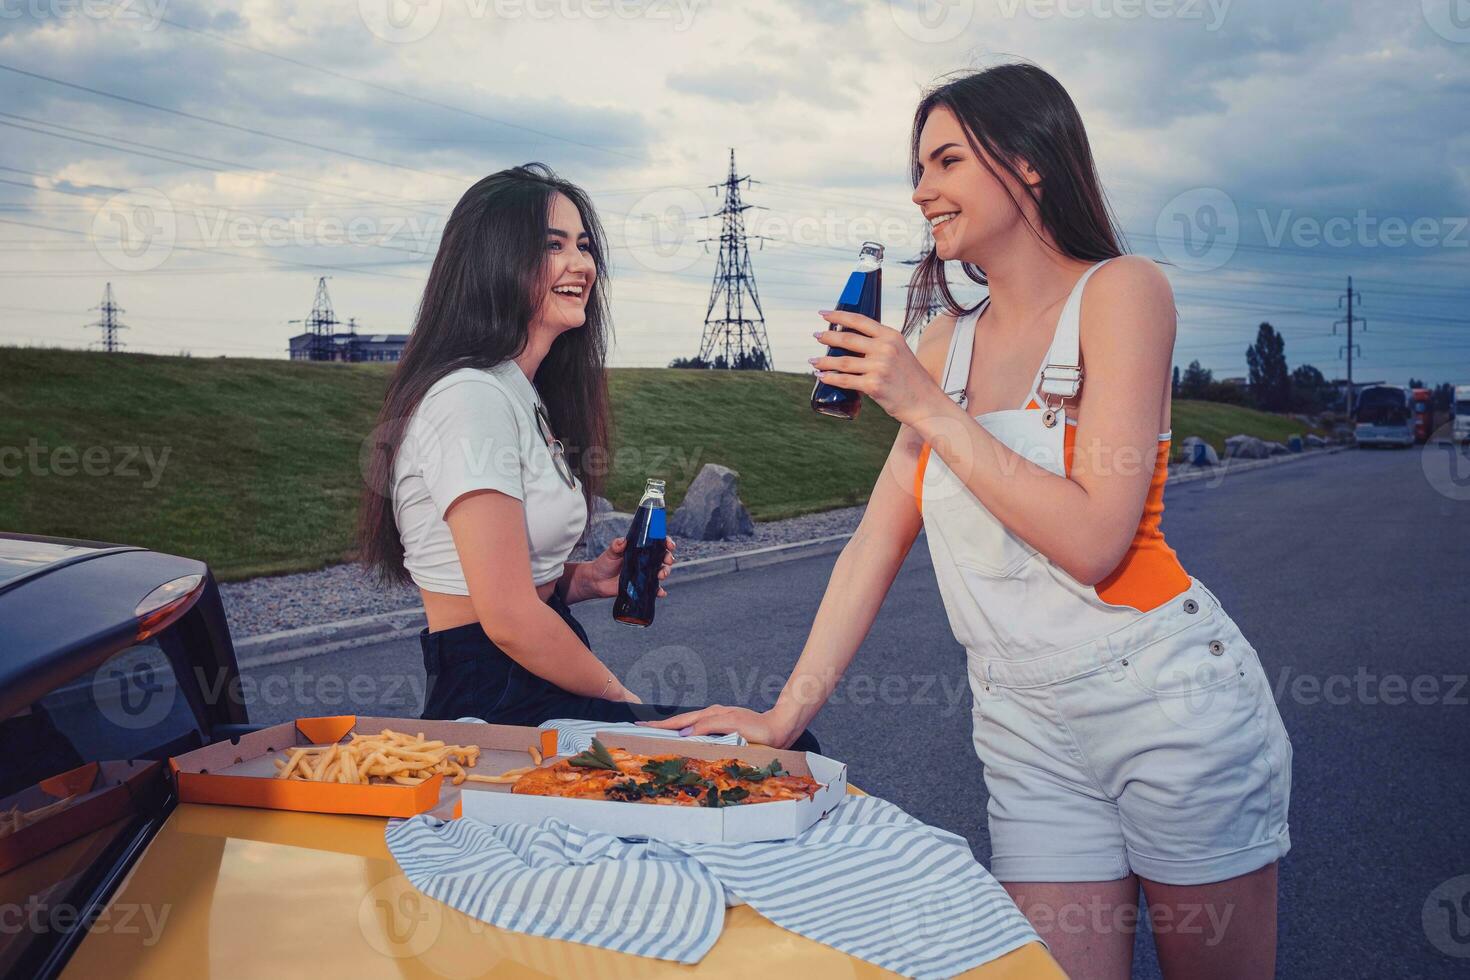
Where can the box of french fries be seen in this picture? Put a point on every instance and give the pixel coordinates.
(385, 767)
(72, 804)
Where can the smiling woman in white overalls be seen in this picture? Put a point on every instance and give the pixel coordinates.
(1126, 727)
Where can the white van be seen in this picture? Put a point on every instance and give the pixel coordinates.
(1383, 416)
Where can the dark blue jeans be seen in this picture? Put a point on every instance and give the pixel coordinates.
(470, 677)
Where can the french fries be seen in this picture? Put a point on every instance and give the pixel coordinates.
(509, 776)
(386, 757)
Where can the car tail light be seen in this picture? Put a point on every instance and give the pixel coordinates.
(166, 603)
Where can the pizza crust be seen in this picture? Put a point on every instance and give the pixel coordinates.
(633, 783)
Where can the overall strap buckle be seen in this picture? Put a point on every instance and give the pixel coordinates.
(1062, 380)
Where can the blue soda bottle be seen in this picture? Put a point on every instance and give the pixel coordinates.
(643, 560)
(862, 294)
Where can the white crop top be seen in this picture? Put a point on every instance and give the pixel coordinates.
(476, 430)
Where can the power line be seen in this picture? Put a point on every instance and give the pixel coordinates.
(248, 130)
(322, 324)
(739, 339)
(227, 166)
(108, 322)
(1348, 347)
(422, 100)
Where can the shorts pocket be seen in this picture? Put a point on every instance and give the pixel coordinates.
(1197, 660)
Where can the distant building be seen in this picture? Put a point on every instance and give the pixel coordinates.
(353, 347)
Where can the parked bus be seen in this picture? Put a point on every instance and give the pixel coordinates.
(1421, 403)
(1383, 416)
(1460, 409)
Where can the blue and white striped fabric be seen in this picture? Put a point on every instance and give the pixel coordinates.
(556, 881)
(868, 880)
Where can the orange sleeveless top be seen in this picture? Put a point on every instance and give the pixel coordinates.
(1149, 574)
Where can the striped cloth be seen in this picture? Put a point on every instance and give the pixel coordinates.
(868, 880)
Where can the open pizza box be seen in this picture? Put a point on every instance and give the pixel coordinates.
(242, 771)
(778, 820)
(72, 804)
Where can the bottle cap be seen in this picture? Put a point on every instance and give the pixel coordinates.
(874, 249)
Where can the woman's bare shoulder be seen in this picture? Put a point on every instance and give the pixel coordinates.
(1130, 296)
(1134, 279)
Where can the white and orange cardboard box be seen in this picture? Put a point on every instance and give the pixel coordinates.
(779, 820)
(241, 772)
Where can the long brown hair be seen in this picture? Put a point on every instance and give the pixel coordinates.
(483, 292)
(1017, 112)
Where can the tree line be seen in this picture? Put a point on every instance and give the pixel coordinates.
(1274, 387)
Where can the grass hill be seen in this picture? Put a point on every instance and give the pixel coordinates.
(252, 465)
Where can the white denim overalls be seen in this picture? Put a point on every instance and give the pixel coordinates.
(1113, 740)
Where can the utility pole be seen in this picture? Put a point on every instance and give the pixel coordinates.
(109, 322)
(730, 332)
(1349, 346)
(933, 305)
(321, 323)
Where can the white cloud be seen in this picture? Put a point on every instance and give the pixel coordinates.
(1312, 108)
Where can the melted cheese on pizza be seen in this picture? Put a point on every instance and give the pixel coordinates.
(665, 780)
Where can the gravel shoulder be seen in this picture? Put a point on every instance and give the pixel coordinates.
(283, 602)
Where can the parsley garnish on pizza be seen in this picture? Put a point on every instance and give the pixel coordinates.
(603, 773)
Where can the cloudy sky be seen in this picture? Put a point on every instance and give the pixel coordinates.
(211, 160)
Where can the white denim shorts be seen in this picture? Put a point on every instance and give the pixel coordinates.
(1156, 750)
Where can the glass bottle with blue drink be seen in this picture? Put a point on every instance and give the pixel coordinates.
(863, 294)
(643, 559)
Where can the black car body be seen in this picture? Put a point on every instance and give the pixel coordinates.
(112, 655)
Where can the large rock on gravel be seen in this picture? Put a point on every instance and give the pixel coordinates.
(605, 526)
(1246, 447)
(711, 509)
(1277, 449)
(1315, 441)
(1197, 452)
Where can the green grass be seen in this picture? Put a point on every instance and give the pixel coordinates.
(261, 474)
(791, 460)
(1214, 423)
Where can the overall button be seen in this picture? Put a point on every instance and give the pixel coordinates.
(1190, 606)
(1216, 647)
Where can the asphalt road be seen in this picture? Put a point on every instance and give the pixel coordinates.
(1348, 573)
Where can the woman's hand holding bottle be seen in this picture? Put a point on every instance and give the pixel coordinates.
(598, 579)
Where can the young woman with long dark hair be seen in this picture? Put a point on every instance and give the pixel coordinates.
(1126, 727)
(479, 485)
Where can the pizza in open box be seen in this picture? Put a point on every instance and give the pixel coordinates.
(603, 773)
